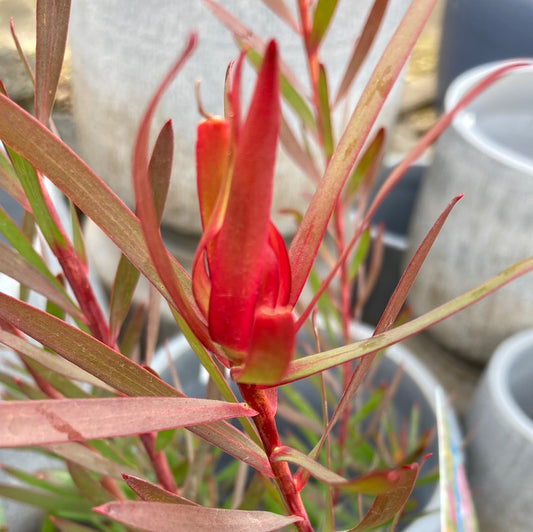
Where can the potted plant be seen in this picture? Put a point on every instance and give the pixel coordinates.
(115, 423)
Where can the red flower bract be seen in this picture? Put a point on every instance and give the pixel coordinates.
(241, 273)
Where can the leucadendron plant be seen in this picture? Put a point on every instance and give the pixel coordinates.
(139, 454)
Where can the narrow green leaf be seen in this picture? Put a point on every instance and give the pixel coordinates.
(132, 332)
(290, 94)
(36, 480)
(22, 244)
(32, 188)
(368, 161)
(163, 439)
(360, 254)
(373, 483)
(321, 19)
(162, 517)
(88, 486)
(52, 26)
(325, 114)
(77, 235)
(150, 492)
(48, 501)
(307, 366)
(86, 457)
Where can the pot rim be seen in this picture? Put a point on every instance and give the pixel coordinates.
(465, 120)
(505, 357)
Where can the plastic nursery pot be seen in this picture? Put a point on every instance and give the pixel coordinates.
(475, 32)
(116, 68)
(485, 154)
(500, 428)
(417, 387)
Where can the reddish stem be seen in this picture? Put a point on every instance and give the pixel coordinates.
(159, 462)
(266, 427)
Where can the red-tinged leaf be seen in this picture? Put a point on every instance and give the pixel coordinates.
(372, 483)
(401, 168)
(20, 51)
(121, 373)
(297, 152)
(397, 299)
(83, 350)
(271, 349)
(160, 167)
(49, 360)
(280, 8)
(307, 366)
(151, 492)
(393, 308)
(86, 457)
(310, 232)
(362, 46)
(146, 210)
(66, 420)
(52, 26)
(321, 19)
(238, 256)
(248, 39)
(63, 525)
(16, 267)
(71, 175)
(388, 505)
(233, 100)
(163, 517)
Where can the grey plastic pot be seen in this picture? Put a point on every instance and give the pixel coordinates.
(417, 386)
(500, 428)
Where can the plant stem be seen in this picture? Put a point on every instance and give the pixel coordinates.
(266, 427)
(159, 462)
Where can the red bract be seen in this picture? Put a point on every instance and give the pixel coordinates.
(241, 273)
